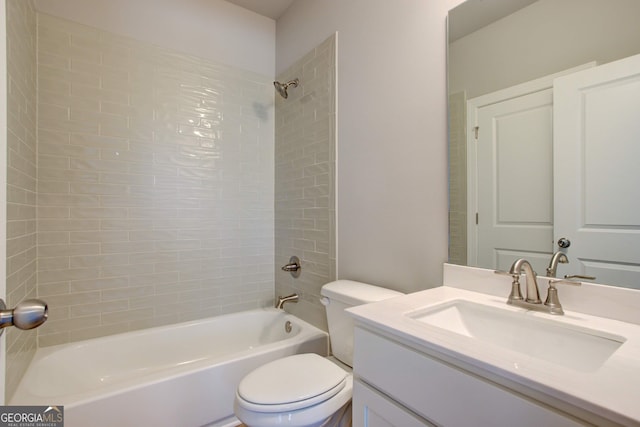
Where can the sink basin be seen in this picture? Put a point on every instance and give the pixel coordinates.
(574, 347)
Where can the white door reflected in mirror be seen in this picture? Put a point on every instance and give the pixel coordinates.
(594, 150)
(597, 177)
(506, 43)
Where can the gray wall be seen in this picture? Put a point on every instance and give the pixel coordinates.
(391, 132)
(544, 38)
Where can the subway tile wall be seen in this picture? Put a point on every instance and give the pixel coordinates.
(21, 179)
(305, 180)
(458, 178)
(155, 187)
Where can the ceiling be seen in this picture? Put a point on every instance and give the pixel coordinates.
(269, 8)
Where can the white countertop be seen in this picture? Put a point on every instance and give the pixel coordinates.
(611, 391)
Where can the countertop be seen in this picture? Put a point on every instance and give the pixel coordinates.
(610, 391)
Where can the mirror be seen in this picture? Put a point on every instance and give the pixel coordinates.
(498, 44)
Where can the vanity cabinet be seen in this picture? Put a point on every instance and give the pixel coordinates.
(397, 385)
(371, 408)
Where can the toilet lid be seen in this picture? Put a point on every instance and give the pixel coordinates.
(292, 382)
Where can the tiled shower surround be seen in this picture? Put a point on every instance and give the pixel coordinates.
(155, 184)
(457, 179)
(305, 180)
(21, 179)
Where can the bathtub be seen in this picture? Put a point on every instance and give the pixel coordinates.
(183, 375)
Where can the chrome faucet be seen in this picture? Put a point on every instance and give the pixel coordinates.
(288, 298)
(533, 296)
(558, 257)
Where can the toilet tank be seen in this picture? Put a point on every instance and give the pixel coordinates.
(339, 296)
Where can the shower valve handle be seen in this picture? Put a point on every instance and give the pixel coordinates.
(293, 267)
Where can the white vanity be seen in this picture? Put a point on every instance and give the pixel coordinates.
(458, 355)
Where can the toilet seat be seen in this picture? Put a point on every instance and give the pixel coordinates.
(291, 383)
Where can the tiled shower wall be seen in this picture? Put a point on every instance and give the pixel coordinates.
(155, 187)
(21, 179)
(457, 178)
(305, 180)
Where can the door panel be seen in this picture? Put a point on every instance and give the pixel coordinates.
(596, 152)
(514, 181)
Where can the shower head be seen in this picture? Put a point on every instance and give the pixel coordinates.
(281, 88)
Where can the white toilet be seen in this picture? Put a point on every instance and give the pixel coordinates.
(307, 390)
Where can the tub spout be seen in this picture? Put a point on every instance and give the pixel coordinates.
(288, 298)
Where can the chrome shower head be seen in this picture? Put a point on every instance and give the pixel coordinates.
(281, 88)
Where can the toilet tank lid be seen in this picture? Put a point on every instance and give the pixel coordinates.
(356, 293)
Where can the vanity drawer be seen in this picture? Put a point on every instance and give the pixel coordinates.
(441, 393)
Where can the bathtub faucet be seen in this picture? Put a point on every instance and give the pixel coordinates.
(288, 298)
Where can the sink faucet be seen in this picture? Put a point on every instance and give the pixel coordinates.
(532, 302)
(533, 296)
(558, 257)
(288, 298)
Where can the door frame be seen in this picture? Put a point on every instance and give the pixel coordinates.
(3, 184)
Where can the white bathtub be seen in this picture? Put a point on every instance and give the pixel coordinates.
(183, 375)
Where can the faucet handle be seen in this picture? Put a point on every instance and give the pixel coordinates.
(514, 276)
(502, 273)
(579, 276)
(293, 267)
(552, 301)
(565, 281)
(515, 294)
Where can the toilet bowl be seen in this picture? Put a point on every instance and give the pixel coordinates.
(308, 390)
(303, 390)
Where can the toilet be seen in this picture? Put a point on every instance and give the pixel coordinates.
(307, 390)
